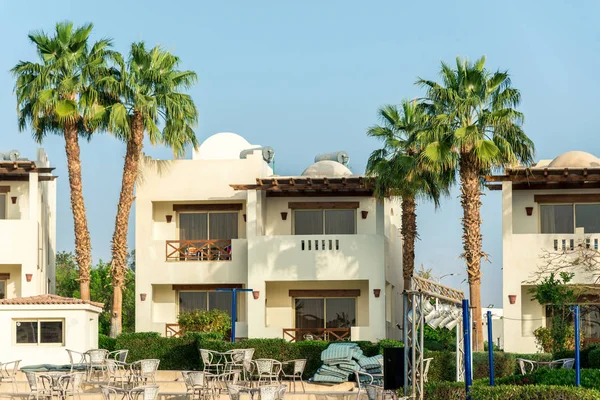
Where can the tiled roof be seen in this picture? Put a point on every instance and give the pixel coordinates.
(44, 299)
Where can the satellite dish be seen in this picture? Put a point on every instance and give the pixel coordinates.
(267, 153)
(14, 155)
(338, 156)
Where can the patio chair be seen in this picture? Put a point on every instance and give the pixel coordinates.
(362, 379)
(40, 385)
(211, 360)
(235, 390)
(144, 392)
(219, 382)
(268, 370)
(145, 370)
(566, 363)
(526, 366)
(96, 361)
(111, 393)
(117, 373)
(8, 373)
(295, 374)
(196, 383)
(118, 355)
(272, 392)
(70, 385)
(78, 360)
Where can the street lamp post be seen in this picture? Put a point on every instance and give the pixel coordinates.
(234, 293)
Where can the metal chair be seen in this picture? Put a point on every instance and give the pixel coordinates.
(426, 362)
(566, 363)
(219, 382)
(71, 384)
(118, 355)
(362, 379)
(196, 382)
(526, 366)
(117, 373)
(234, 391)
(111, 393)
(8, 373)
(272, 392)
(296, 372)
(40, 385)
(78, 360)
(211, 360)
(145, 370)
(145, 392)
(96, 361)
(268, 370)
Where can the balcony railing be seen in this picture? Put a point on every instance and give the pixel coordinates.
(198, 250)
(173, 330)
(328, 334)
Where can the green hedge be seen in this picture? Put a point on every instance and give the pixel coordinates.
(590, 378)
(182, 353)
(456, 391)
(106, 342)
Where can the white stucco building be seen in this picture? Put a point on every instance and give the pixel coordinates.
(318, 251)
(28, 221)
(549, 209)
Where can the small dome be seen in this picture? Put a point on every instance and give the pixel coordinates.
(222, 146)
(575, 159)
(327, 168)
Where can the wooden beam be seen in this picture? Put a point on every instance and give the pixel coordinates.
(4, 276)
(4, 189)
(309, 181)
(326, 181)
(325, 293)
(567, 198)
(319, 205)
(210, 286)
(259, 181)
(275, 182)
(292, 182)
(208, 207)
(320, 193)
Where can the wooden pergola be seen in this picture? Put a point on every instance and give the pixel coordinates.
(546, 178)
(298, 186)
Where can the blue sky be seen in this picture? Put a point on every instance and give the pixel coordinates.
(308, 76)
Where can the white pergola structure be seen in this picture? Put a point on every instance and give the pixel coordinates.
(428, 302)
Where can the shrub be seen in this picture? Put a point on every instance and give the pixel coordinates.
(593, 358)
(584, 356)
(445, 391)
(106, 342)
(543, 339)
(388, 343)
(173, 353)
(215, 321)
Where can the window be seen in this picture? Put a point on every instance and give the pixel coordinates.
(564, 218)
(190, 301)
(329, 222)
(39, 331)
(3, 287)
(3, 206)
(325, 313)
(208, 226)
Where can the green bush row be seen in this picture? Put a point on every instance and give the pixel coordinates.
(456, 391)
(182, 353)
(443, 365)
(590, 378)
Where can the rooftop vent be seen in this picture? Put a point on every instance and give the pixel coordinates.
(12, 155)
(338, 156)
(267, 152)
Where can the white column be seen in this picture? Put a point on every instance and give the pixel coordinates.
(512, 326)
(251, 214)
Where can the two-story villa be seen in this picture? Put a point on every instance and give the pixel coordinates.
(28, 220)
(548, 211)
(318, 253)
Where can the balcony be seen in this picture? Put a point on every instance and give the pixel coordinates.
(327, 334)
(198, 250)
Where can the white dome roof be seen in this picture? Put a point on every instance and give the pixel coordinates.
(575, 159)
(327, 168)
(222, 146)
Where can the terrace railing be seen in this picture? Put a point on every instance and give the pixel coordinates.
(198, 250)
(329, 334)
(173, 330)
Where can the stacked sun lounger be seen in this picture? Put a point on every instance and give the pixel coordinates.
(341, 360)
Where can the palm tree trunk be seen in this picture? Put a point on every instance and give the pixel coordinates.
(409, 235)
(119, 243)
(471, 203)
(83, 247)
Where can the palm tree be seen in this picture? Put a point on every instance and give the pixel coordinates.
(397, 170)
(56, 95)
(149, 88)
(477, 129)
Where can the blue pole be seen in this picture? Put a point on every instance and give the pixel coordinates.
(467, 344)
(577, 333)
(233, 314)
(490, 347)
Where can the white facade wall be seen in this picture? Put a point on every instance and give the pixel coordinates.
(267, 258)
(28, 234)
(522, 247)
(80, 332)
